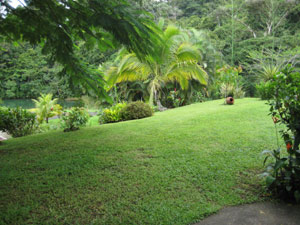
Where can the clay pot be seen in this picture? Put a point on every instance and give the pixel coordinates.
(230, 100)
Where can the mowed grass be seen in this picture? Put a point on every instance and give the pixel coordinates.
(176, 167)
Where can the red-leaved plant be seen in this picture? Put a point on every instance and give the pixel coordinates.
(283, 173)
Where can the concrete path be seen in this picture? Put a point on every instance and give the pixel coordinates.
(256, 214)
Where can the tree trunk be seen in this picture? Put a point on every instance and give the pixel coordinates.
(155, 96)
(297, 140)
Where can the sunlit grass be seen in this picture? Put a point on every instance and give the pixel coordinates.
(173, 168)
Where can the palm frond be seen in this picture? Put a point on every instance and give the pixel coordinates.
(179, 61)
(186, 52)
(188, 70)
(129, 69)
(170, 32)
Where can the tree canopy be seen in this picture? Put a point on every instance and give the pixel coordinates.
(85, 35)
(58, 25)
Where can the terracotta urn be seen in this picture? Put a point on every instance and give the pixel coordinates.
(230, 100)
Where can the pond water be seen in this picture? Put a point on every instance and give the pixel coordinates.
(28, 103)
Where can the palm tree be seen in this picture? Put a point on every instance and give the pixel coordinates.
(46, 107)
(211, 58)
(177, 61)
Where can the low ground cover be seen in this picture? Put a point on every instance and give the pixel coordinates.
(176, 167)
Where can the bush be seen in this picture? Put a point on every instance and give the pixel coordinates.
(46, 127)
(136, 110)
(174, 99)
(17, 122)
(112, 114)
(227, 90)
(155, 108)
(196, 96)
(213, 91)
(232, 91)
(264, 90)
(283, 173)
(74, 119)
(230, 81)
(238, 92)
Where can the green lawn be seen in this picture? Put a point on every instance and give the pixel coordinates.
(176, 167)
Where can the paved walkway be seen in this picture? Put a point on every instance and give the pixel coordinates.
(256, 214)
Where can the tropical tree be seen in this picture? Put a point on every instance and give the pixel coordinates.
(177, 61)
(46, 107)
(58, 25)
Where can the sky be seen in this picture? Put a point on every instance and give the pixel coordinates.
(15, 3)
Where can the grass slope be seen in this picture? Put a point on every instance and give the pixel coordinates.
(174, 168)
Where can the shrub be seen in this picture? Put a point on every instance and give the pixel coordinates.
(74, 119)
(155, 108)
(17, 122)
(174, 99)
(230, 81)
(283, 174)
(238, 92)
(45, 127)
(227, 90)
(232, 91)
(213, 91)
(112, 114)
(196, 96)
(136, 110)
(264, 90)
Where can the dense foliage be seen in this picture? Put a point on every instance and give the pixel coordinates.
(136, 110)
(174, 99)
(264, 90)
(75, 118)
(256, 35)
(26, 73)
(124, 111)
(61, 24)
(112, 114)
(229, 82)
(17, 122)
(179, 61)
(283, 175)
